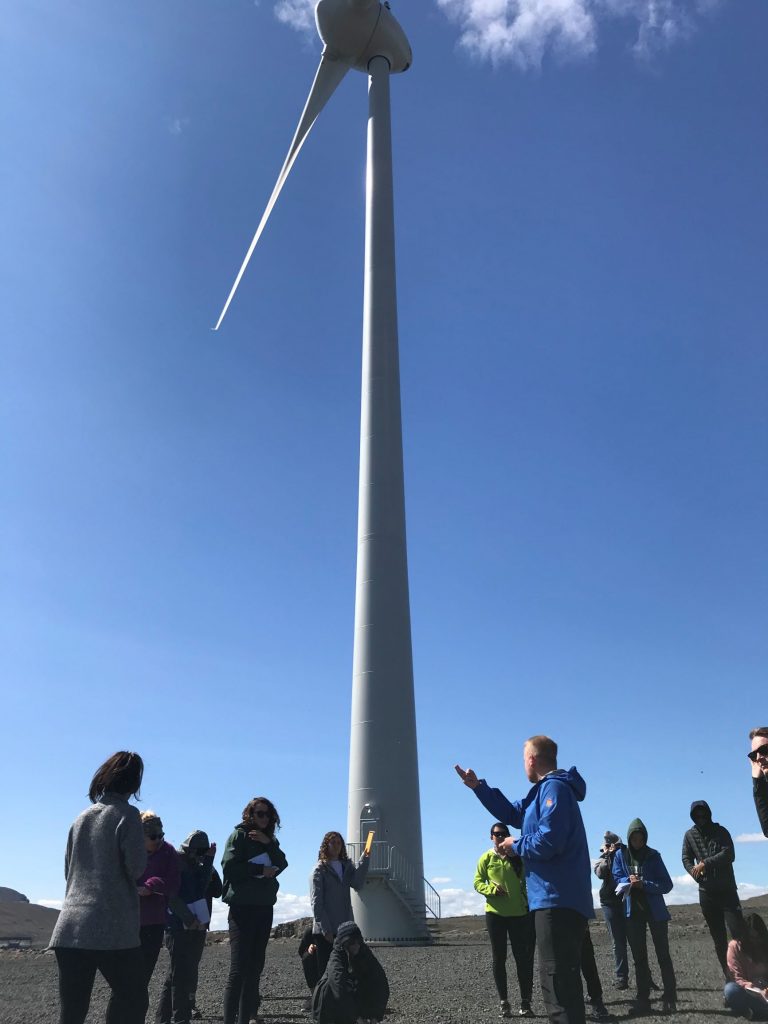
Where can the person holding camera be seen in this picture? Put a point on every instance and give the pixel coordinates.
(613, 906)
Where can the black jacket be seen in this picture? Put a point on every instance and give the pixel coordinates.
(604, 871)
(712, 846)
(760, 793)
(352, 986)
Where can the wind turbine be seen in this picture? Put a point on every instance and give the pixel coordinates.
(383, 760)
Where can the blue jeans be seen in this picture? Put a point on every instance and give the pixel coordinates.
(740, 1000)
(616, 919)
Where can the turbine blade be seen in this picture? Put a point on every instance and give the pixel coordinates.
(329, 75)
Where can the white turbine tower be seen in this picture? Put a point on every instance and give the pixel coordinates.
(383, 763)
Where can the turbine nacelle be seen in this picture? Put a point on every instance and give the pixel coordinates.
(356, 31)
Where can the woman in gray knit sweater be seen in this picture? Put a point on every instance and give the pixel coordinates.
(98, 927)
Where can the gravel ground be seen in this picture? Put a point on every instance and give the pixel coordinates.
(448, 983)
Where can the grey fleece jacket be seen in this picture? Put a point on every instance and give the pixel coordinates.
(105, 855)
(331, 896)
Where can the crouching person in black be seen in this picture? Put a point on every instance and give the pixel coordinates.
(354, 986)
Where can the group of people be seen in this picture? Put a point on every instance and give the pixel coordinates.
(128, 891)
(538, 894)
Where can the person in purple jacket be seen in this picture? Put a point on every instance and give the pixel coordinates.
(554, 851)
(157, 885)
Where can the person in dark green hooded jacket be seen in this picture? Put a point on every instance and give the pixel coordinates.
(641, 880)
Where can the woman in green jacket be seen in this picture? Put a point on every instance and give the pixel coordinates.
(500, 879)
(251, 861)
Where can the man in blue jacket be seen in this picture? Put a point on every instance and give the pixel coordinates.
(553, 847)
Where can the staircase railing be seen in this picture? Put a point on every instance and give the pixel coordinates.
(388, 861)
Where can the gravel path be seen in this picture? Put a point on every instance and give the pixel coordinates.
(448, 983)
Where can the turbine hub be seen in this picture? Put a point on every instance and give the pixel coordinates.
(356, 31)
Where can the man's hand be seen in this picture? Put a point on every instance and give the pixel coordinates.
(501, 891)
(508, 845)
(635, 882)
(211, 851)
(698, 871)
(467, 776)
(311, 949)
(258, 836)
(144, 891)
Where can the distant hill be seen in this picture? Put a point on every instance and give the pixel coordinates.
(24, 921)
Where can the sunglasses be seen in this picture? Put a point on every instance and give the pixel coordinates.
(760, 752)
(499, 835)
(154, 836)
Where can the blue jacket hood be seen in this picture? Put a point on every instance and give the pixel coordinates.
(574, 780)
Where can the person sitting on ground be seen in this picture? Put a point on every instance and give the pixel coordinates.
(500, 878)
(708, 856)
(747, 994)
(641, 880)
(187, 926)
(158, 883)
(354, 986)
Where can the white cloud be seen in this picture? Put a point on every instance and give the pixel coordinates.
(460, 903)
(751, 837)
(439, 881)
(176, 125)
(287, 908)
(523, 31)
(53, 904)
(299, 14)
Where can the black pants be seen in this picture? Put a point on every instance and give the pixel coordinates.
(720, 909)
(522, 939)
(249, 929)
(638, 943)
(123, 971)
(185, 949)
(314, 964)
(151, 939)
(559, 937)
(589, 969)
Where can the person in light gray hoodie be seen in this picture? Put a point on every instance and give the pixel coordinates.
(330, 893)
(98, 927)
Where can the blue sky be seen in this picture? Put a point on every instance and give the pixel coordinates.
(581, 224)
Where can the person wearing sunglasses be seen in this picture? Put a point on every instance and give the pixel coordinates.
(758, 755)
(251, 861)
(500, 878)
(157, 884)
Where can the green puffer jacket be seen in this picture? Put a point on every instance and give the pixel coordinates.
(244, 882)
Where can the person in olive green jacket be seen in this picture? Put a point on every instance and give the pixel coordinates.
(500, 878)
(251, 861)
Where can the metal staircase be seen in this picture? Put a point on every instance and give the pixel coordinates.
(420, 899)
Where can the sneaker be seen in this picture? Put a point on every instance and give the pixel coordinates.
(668, 1006)
(525, 1009)
(505, 1010)
(194, 1014)
(306, 1006)
(621, 984)
(599, 1011)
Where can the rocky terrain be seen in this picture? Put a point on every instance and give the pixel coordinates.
(448, 983)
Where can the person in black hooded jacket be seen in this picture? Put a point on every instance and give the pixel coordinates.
(708, 856)
(354, 986)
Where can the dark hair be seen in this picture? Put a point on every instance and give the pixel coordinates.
(121, 773)
(500, 824)
(761, 731)
(250, 821)
(758, 950)
(323, 852)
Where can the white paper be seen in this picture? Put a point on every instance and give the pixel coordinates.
(200, 909)
(261, 858)
(622, 888)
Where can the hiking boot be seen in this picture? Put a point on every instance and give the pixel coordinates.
(194, 1014)
(505, 1010)
(621, 984)
(668, 1006)
(525, 1009)
(599, 1011)
(306, 1006)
